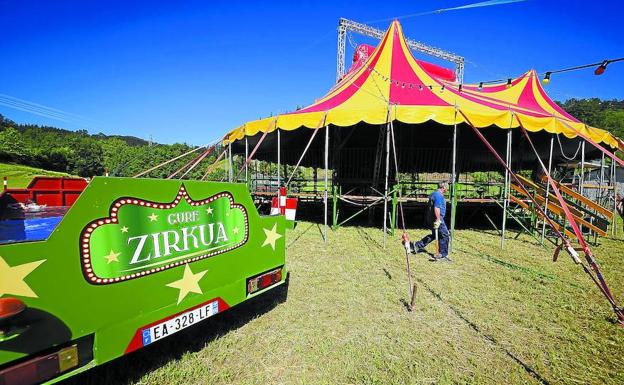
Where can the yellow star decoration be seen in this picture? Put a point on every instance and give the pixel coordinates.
(12, 278)
(189, 283)
(235, 230)
(271, 236)
(153, 217)
(124, 229)
(112, 257)
(209, 210)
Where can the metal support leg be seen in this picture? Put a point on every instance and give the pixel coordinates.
(225, 164)
(279, 159)
(246, 164)
(394, 210)
(600, 195)
(550, 156)
(582, 176)
(614, 189)
(231, 166)
(385, 213)
(326, 172)
(453, 185)
(507, 183)
(334, 206)
(340, 57)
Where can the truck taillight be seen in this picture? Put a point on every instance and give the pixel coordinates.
(43, 368)
(10, 307)
(264, 280)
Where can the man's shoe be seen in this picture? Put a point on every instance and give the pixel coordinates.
(441, 258)
(416, 249)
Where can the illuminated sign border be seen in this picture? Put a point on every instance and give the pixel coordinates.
(88, 230)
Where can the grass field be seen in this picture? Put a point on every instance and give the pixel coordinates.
(490, 317)
(19, 176)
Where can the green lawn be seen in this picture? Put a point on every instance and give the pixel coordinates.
(19, 176)
(491, 317)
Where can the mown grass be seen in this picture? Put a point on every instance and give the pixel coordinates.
(19, 176)
(491, 317)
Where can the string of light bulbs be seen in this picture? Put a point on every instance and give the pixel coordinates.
(600, 69)
(404, 84)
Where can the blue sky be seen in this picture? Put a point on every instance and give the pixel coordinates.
(191, 72)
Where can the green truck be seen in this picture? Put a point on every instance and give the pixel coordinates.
(131, 262)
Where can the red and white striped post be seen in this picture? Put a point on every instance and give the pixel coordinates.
(282, 205)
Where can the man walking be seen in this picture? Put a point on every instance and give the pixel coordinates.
(436, 209)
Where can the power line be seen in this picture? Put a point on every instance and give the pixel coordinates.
(45, 111)
(437, 11)
(26, 108)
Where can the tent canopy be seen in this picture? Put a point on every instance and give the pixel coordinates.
(393, 85)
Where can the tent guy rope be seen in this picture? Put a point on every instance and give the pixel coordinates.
(598, 279)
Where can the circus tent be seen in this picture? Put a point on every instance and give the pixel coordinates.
(390, 85)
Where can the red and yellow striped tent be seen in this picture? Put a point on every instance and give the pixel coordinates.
(393, 85)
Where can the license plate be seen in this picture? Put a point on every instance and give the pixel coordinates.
(179, 322)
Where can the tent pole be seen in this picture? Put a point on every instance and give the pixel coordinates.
(305, 150)
(225, 164)
(246, 164)
(326, 172)
(385, 214)
(231, 167)
(453, 184)
(600, 196)
(279, 159)
(582, 176)
(507, 183)
(550, 156)
(614, 189)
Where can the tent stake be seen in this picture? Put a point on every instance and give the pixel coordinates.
(550, 156)
(413, 301)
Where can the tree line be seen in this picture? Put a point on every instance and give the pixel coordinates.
(605, 114)
(83, 154)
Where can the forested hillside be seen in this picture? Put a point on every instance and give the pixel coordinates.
(606, 114)
(79, 153)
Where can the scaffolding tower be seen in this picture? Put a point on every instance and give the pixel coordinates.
(345, 25)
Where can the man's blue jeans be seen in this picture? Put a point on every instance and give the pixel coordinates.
(443, 237)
